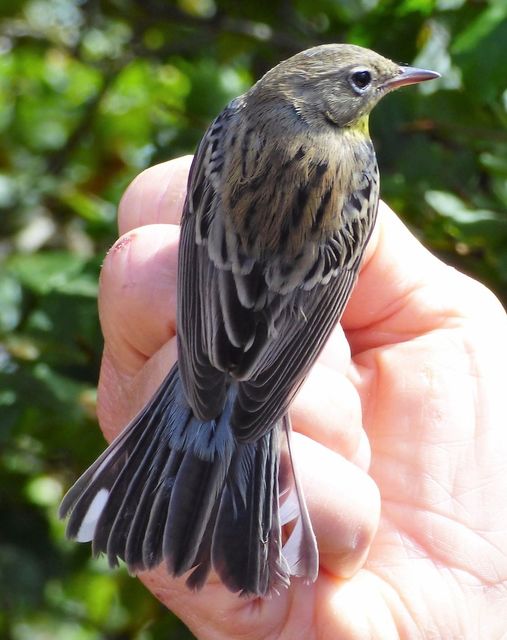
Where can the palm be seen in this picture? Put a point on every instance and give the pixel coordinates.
(435, 418)
(428, 361)
(415, 450)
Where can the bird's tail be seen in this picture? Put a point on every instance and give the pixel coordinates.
(171, 488)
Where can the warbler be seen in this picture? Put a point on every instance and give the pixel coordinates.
(282, 199)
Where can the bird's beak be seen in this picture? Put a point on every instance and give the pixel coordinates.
(409, 75)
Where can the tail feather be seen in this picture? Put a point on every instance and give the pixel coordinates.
(92, 489)
(196, 489)
(133, 552)
(85, 506)
(152, 549)
(300, 549)
(198, 485)
(171, 488)
(202, 566)
(246, 549)
(115, 520)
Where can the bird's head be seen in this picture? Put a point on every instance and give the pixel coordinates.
(335, 84)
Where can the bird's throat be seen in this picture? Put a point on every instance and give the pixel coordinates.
(361, 127)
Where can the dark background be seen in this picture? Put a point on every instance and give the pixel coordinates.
(91, 93)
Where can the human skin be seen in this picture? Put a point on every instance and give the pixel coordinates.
(401, 437)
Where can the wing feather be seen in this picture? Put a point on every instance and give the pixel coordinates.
(281, 371)
(251, 317)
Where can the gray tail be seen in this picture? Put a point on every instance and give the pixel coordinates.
(171, 488)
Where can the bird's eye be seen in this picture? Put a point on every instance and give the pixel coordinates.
(360, 80)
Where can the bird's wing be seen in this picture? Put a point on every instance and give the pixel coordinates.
(204, 346)
(237, 316)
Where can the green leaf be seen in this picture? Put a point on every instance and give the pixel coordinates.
(447, 204)
(495, 163)
(10, 302)
(53, 271)
(480, 28)
(88, 206)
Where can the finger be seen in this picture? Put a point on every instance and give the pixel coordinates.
(155, 196)
(214, 612)
(137, 297)
(120, 397)
(404, 288)
(344, 505)
(383, 304)
(328, 410)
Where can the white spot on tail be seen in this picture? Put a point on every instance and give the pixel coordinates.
(293, 552)
(87, 528)
(289, 507)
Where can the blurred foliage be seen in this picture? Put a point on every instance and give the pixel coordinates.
(93, 91)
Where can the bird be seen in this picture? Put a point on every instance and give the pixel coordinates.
(282, 199)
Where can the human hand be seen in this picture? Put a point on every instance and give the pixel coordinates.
(424, 373)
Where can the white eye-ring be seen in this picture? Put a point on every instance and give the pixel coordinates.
(360, 80)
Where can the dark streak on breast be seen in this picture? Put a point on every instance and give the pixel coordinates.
(283, 239)
(300, 153)
(319, 214)
(255, 183)
(285, 269)
(217, 168)
(321, 169)
(365, 191)
(314, 268)
(355, 201)
(197, 194)
(300, 204)
(244, 149)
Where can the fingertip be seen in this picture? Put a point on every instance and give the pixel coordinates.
(344, 505)
(137, 296)
(155, 196)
